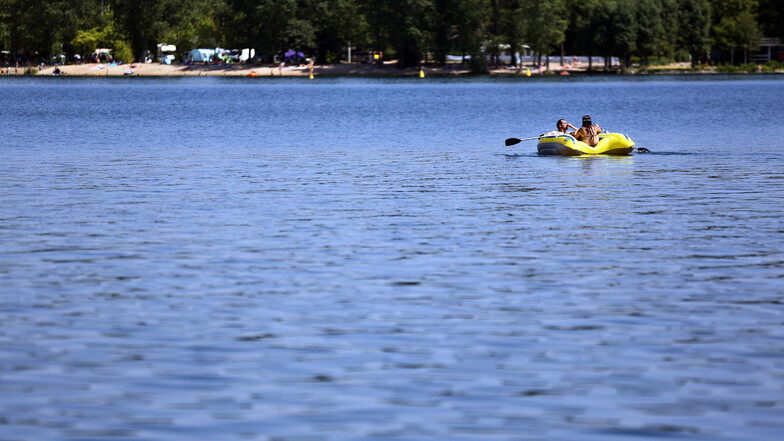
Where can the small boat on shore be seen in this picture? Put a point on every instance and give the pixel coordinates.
(566, 145)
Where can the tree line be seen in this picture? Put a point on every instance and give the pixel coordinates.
(407, 30)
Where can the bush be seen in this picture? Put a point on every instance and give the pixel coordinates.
(750, 68)
(773, 66)
(682, 55)
(122, 52)
(31, 71)
(747, 68)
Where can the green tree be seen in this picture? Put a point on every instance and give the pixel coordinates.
(401, 28)
(185, 23)
(650, 29)
(735, 24)
(271, 19)
(584, 28)
(413, 31)
(616, 29)
(771, 17)
(458, 27)
(627, 29)
(179, 23)
(547, 22)
(45, 24)
(670, 23)
(602, 15)
(103, 35)
(470, 18)
(137, 18)
(123, 52)
(443, 29)
(515, 25)
(337, 24)
(746, 33)
(20, 26)
(208, 31)
(300, 34)
(404, 29)
(694, 28)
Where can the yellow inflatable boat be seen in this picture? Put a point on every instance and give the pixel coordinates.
(566, 145)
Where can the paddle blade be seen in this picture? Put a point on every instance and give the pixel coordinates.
(512, 141)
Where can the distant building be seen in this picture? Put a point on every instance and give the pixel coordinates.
(770, 49)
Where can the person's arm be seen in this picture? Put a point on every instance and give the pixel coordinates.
(571, 126)
(598, 129)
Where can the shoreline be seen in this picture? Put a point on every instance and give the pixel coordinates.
(347, 70)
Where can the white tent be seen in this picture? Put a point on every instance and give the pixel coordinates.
(201, 55)
(247, 54)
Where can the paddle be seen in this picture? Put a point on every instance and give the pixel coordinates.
(513, 141)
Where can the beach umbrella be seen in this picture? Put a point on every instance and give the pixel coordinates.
(290, 53)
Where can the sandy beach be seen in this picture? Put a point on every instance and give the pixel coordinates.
(248, 70)
(240, 70)
(338, 70)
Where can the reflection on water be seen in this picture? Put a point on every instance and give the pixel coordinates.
(228, 265)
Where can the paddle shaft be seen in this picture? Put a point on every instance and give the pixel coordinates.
(513, 141)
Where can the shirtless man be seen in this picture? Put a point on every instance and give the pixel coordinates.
(561, 125)
(589, 132)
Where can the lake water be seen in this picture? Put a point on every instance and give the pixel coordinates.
(348, 259)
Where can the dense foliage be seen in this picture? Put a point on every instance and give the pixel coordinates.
(407, 30)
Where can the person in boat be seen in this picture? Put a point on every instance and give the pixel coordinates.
(561, 125)
(589, 132)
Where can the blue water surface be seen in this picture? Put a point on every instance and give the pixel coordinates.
(351, 259)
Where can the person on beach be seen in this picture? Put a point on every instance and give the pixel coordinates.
(589, 132)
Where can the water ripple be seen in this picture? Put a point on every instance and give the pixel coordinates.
(392, 272)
